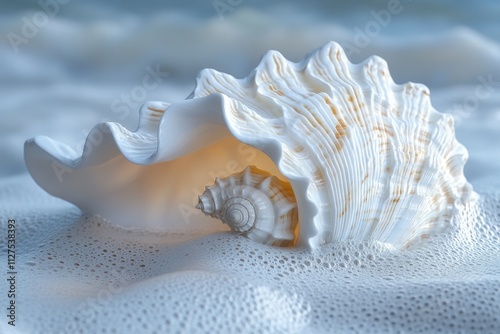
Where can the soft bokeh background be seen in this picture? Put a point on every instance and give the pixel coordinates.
(67, 65)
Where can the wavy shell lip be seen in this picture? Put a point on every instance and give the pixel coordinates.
(367, 158)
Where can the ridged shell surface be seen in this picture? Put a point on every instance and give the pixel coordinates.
(368, 159)
(381, 162)
(255, 204)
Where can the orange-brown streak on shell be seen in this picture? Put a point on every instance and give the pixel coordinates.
(347, 203)
(341, 129)
(385, 130)
(161, 111)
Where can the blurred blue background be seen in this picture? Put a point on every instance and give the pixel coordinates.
(68, 64)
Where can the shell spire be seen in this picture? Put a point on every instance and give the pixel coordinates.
(255, 204)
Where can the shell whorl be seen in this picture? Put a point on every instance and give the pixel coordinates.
(239, 213)
(379, 162)
(255, 204)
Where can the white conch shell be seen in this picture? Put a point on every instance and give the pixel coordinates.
(255, 204)
(381, 163)
(367, 159)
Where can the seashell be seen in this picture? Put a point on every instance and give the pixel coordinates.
(367, 159)
(255, 204)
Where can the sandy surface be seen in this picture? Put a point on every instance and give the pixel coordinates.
(77, 273)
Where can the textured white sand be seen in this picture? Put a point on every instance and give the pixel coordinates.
(80, 274)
